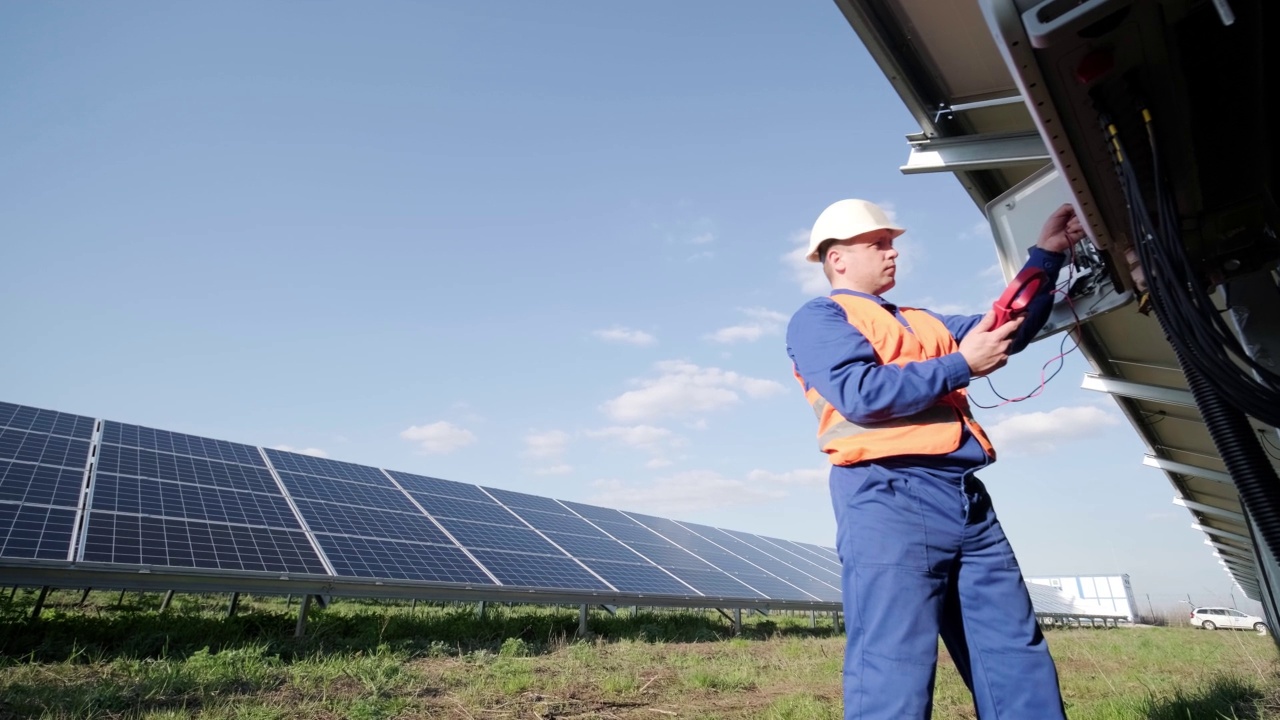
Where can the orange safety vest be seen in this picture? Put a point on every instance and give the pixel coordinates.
(934, 431)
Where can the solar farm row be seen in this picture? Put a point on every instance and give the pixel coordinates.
(95, 493)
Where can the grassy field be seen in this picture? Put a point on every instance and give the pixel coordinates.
(366, 660)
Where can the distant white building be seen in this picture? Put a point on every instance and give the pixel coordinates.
(1102, 594)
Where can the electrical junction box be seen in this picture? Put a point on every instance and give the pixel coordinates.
(1016, 218)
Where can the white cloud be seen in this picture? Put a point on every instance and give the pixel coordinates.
(313, 452)
(550, 444)
(658, 462)
(760, 322)
(683, 388)
(626, 336)
(703, 238)
(682, 493)
(808, 275)
(1042, 432)
(807, 477)
(980, 230)
(560, 469)
(994, 276)
(644, 437)
(439, 438)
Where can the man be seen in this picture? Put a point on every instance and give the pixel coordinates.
(922, 552)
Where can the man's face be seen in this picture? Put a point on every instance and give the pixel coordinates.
(868, 262)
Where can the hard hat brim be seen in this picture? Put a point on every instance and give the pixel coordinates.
(813, 252)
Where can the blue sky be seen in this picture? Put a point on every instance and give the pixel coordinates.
(548, 247)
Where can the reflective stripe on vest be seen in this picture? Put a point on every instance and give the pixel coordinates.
(933, 431)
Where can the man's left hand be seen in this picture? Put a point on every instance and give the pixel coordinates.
(1061, 230)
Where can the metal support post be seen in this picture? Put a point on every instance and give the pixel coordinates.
(35, 611)
(235, 601)
(737, 621)
(85, 597)
(582, 621)
(168, 598)
(480, 610)
(301, 628)
(839, 627)
(813, 618)
(120, 600)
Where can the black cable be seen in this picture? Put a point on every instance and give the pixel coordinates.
(1195, 324)
(1161, 414)
(1263, 434)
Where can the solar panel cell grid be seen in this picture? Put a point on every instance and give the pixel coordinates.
(443, 507)
(348, 493)
(138, 462)
(35, 532)
(362, 557)
(636, 578)
(593, 513)
(352, 520)
(144, 496)
(595, 548)
(628, 532)
(326, 468)
(438, 487)
(537, 571)
(41, 448)
(45, 421)
(559, 523)
(715, 583)
(800, 550)
(132, 540)
(40, 484)
(177, 443)
(797, 558)
(773, 587)
(667, 555)
(472, 535)
(522, 501)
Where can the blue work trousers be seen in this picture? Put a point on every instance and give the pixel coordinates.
(925, 557)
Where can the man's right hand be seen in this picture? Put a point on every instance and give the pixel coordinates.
(986, 348)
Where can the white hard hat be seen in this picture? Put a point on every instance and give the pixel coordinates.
(848, 219)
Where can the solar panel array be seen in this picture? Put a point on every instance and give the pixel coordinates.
(153, 498)
(43, 459)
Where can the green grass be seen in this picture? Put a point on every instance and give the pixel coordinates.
(370, 660)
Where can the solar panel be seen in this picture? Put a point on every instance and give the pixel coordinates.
(645, 579)
(144, 540)
(174, 500)
(400, 560)
(498, 539)
(685, 566)
(812, 579)
(144, 497)
(44, 456)
(1049, 600)
(759, 578)
(367, 526)
(32, 531)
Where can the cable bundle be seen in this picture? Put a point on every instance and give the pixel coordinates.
(1193, 324)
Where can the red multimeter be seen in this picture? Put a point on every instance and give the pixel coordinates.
(1013, 302)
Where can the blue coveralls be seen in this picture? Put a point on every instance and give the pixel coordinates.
(921, 550)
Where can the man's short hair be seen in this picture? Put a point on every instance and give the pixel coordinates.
(823, 248)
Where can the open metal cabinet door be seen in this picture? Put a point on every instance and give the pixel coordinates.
(1087, 285)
